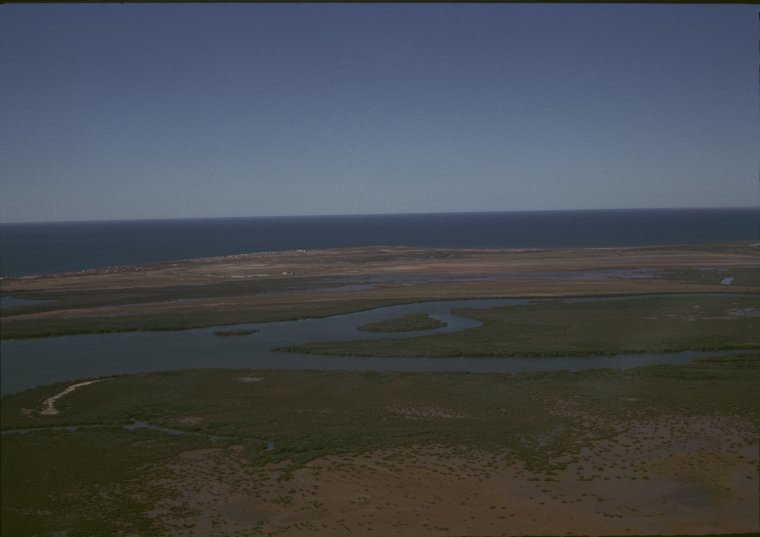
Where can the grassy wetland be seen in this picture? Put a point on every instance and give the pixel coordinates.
(558, 328)
(240, 332)
(653, 450)
(406, 323)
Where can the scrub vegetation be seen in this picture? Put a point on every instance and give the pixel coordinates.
(275, 452)
(159, 322)
(559, 328)
(102, 479)
(242, 332)
(407, 323)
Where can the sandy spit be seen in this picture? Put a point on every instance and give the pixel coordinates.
(48, 406)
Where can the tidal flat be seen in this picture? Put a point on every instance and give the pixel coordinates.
(279, 286)
(669, 449)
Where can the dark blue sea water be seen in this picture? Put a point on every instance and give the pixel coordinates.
(41, 248)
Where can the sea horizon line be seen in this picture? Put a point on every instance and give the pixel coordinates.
(360, 215)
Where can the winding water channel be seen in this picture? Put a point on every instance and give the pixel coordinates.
(31, 362)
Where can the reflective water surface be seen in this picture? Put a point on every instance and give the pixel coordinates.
(31, 362)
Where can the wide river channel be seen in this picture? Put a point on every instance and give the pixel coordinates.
(30, 362)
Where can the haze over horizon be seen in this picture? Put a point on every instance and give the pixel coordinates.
(350, 215)
(118, 112)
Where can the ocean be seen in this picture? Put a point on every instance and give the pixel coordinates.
(43, 248)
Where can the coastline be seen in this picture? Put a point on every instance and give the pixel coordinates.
(37, 247)
(659, 449)
(300, 284)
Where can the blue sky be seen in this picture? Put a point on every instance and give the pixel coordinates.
(202, 110)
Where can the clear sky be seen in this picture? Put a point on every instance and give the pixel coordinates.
(203, 110)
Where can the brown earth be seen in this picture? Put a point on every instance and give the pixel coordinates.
(302, 282)
(388, 261)
(676, 475)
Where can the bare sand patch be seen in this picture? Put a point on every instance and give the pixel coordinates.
(48, 405)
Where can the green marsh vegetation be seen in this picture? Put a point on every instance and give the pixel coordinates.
(557, 328)
(241, 332)
(51, 327)
(406, 323)
(103, 479)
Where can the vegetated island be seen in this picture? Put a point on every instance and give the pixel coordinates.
(406, 323)
(625, 325)
(241, 332)
(655, 450)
